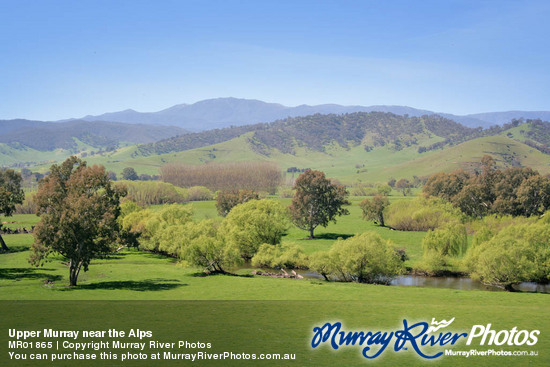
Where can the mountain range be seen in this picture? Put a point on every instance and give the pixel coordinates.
(225, 112)
(354, 145)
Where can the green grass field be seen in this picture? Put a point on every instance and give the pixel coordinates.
(156, 293)
(19, 221)
(269, 315)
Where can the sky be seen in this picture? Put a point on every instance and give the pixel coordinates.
(63, 59)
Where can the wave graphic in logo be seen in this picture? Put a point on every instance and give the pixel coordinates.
(439, 325)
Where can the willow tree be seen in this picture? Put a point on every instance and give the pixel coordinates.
(251, 224)
(78, 209)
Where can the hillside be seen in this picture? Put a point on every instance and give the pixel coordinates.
(50, 136)
(13, 155)
(316, 131)
(30, 142)
(506, 151)
(354, 148)
(357, 147)
(350, 165)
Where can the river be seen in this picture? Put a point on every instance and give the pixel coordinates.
(461, 283)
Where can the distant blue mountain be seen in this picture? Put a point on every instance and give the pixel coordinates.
(500, 118)
(225, 112)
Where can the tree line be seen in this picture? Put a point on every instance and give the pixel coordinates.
(490, 190)
(258, 176)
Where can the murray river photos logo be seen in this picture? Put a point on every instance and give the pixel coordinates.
(418, 337)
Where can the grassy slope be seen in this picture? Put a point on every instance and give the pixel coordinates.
(336, 161)
(42, 159)
(470, 152)
(375, 166)
(10, 155)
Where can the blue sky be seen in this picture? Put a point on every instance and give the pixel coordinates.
(61, 59)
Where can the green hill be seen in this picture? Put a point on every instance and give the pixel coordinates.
(27, 143)
(374, 129)
(15, 154)
(506, 151)
(350, 165)
(359, 147)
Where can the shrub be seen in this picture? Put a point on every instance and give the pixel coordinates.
(127, 207)
(495, 223)
(517, 253)
(363, 190)
(450, 240)
(482, 235)
(172, 231)
(28, 206)
(442, 244)
(158, 230)
(199, 193)
(421, 214)
(321, 262)
(287, 255)
(364, 258)
(154, 192)
(286, 193)
(432, 262)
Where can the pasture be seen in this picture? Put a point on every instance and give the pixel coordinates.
(269, 314)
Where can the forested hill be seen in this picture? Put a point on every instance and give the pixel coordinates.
(46, 136)
(317, 131)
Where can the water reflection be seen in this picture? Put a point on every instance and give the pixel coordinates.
(460, 283)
